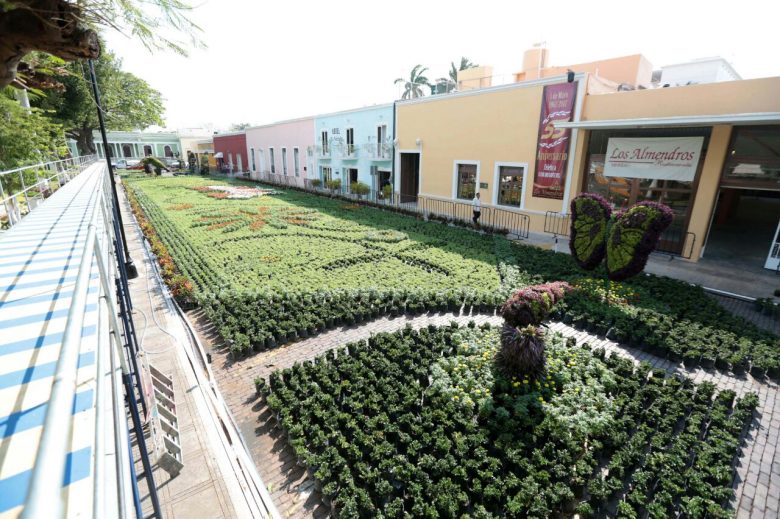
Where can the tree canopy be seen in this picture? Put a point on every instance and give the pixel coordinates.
(465, 64)
(413, 87)
(27, 137)
(129, 103)
(68, 29)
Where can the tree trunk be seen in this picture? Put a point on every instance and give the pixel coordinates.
(84, 141)
(52, 26)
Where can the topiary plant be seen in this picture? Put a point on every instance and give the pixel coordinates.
(626, 239)
(522, 339)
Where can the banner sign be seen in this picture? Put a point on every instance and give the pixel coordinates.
(662, 158)
(552, 149)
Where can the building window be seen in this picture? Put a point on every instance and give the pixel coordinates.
(350, 141)
(622, 192)
(147, 150)
(127, 150)
(510, 185)
(465, 180)
(284, 161)
(327, 174)
(324, 138)
(753, 158)
(168, 151)
(273, 162)
(252, 154)
(297, 162)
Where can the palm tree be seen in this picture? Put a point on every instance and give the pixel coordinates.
(413, 87)
(464, 64)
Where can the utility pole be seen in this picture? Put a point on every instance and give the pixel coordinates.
(132, 271)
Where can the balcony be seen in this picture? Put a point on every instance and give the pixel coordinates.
(349, 151)
(379, 151)
(322, 152)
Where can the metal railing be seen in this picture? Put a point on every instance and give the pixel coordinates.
(379, 150)
(117, 366)
(557, 224)
(23, 189)
(492, 218)
(674, 241)
(322, 152)
(348, 151)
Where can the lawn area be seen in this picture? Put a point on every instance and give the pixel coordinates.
(287, 264)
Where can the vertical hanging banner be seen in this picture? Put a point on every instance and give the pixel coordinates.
(552, 149)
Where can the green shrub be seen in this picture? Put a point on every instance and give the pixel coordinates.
(333, 185)
(359, 188)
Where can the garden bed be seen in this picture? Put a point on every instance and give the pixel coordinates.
(284, 266)
(418, 423)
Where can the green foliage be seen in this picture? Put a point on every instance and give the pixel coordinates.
(27, 138)
(155, 163)
(419, 421)
(333, 185)
(316, 182)
(387, 190)
(129, 103)
(359, 188)
(258, 276)
(413, 87)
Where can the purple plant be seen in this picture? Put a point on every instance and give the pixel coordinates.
(532, 305)
(522, 351)
(522, 340)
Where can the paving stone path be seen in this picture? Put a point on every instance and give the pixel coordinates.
(747, 311)
(757, 484)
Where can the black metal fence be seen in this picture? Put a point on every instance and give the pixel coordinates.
(491, 218)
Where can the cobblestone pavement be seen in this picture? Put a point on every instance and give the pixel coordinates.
(747, 311)
(757, 483)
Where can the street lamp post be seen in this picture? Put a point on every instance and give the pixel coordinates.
(132, 271)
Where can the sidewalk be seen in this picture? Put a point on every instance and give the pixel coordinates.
(207, 486)
(726, 276)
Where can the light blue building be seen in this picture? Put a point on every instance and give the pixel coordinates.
(356, 146)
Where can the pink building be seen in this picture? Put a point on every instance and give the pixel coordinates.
(282, 148)
(230, 152)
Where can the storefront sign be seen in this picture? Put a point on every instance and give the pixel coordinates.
(552, 150)
(663, 158)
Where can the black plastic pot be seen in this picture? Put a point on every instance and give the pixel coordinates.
(757, 371)
(707, 362)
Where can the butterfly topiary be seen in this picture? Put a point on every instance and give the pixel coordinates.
(626, 238)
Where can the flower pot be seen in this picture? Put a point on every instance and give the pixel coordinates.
(757, 371)
(707, 362)
(739, 367)
(721, 363)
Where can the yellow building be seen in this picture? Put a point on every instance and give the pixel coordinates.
(710, 151)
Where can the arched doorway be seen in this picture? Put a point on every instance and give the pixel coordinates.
(168, 151)
(127, 150)
(147, 150)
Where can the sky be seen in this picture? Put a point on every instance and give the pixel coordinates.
(270, 61)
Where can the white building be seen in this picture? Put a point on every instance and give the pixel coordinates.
(704, 70)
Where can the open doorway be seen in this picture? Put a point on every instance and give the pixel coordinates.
(410, 177)
(743, 226)
(352, 175)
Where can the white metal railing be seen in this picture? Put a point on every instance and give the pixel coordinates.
(322, 152)
(23, 189)
(379, 150)
(112, 463)
(349, 151)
